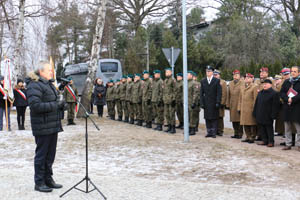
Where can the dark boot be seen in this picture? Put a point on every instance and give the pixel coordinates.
(192, 131)
(131, 121)
(293, 139)
(120, 118)
(169, 129)
(42, 188)
(149, 125)
(159, 127)
(69, 122)
(173, 130)
(72, 122)
(180, 126)
(112, 117)
(126, 120)
(140, 123)
(51, 184)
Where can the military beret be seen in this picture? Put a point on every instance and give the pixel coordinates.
(217, 71)
(179, 74)
(209, 68)
(190, 72)
(168, 69)
(264, 69)
(111, 81)
(267, 81)
(249, 75)
(150, 76)
(157, 71)
(139, 75)
(146, 72)
(236, 72)
(124, 76)
(70, 78)
(129, 76)
(194, 74)
(118, 80)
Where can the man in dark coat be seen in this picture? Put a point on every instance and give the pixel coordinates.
(20, 103)
(45, 115)
(99, 96)
(265, 111)
(210, 99)
(290, 94)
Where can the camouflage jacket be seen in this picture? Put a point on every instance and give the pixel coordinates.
(169, 90)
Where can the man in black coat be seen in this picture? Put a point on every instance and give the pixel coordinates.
(265, 111)
(210, 99)
(45, 115)
(99, 96)
(290, 93)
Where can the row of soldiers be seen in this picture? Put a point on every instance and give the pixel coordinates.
(142, 98)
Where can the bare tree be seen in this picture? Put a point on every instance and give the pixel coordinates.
(95, 56)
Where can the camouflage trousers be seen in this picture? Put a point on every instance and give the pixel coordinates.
(130, 109)
(71, 110)
(125, 108)
(111, 108)
(221, 125)
(147, 112)
(119, 108)
(169, 112)
(138, 111)
(158, 109)
(179, 112)
(194, 117)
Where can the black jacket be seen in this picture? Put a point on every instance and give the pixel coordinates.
(210, 96)
(99, 95)
(19, 100)
(2, 101)
(291, 113)
(266, 107)
(42, 99)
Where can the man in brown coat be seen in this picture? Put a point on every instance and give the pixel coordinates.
(245, 107)
(217, 74)
(232, 103)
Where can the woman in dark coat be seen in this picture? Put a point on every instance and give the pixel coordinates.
(20, 103)
(99, 96)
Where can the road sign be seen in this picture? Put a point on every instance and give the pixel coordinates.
(171, 55)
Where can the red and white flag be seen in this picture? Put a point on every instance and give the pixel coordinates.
(7, 86)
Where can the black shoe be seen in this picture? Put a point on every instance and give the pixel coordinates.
(69, 122)
(149, 125)
(282, 144)
(246, 140)
(51, 184)
(192, 131)
(251, 141)
(173, 130)
(120, 118)
(214, 136)
(140, 123)
(169, 129)
(42, 188)
(258, 139)
(220, 134)
(72, 122)
(207, 136)
(235, 136)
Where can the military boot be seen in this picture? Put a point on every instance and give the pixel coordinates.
(112, 117)
(180, 126)
(159, 127)
(131, 121)
(126, 120)
(72, 122)
(149, 125)
(69, 122)
(120, 118)
(169, 129)
(192, 131)
(173, 130)
(140, 123)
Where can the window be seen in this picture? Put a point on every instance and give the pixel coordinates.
(109, 67)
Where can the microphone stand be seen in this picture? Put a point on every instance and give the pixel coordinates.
(86, 178)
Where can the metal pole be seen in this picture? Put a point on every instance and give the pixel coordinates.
(185, 82)
(148, 62)
(172, 60)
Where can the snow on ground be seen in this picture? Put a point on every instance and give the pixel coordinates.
(130, 162)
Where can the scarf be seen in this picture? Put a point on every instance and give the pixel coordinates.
(294, 80)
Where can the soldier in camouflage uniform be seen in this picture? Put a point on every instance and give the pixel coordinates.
(197, 108)
(123, 98)
(157, 100)
(193, 93)
(129, 103)
(147, 95)
(179, 99)
(137, 99)
(110, 99)
(118, 101)
(169, 100)
(69, 98)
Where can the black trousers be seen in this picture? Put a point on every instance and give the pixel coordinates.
(44, 157)
(267, 133)
(211, 126)
(100, 110)
(21, 115)
(92, 106)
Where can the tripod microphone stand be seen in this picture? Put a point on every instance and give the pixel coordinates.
(86, 178)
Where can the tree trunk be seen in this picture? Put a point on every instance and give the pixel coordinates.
(20, 70)
(95, 56)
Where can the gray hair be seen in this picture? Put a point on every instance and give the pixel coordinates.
(40, 66)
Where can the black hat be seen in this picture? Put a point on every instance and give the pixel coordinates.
(268, 81)
(210, 68)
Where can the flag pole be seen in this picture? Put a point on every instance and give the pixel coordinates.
(6, 114)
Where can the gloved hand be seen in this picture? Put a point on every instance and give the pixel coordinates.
(193, 106)
(149, 102)
(217, 105)
(173, 103)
